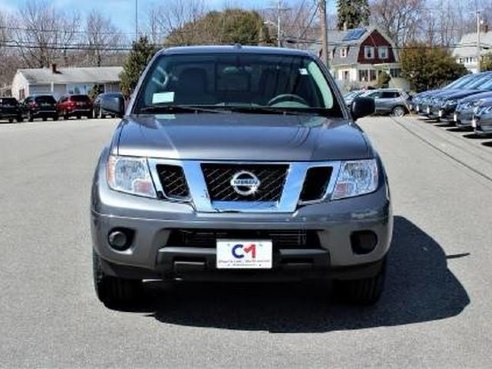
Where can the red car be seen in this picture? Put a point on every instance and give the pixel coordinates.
(74, 106)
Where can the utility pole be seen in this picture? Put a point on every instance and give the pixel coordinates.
(136, 20)
(279, 8)
(324, 32)
(478, 41)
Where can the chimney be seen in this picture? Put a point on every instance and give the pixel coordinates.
(53, 68)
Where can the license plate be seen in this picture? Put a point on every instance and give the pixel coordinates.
(440, 113)
(455, 117)
(474, 123)
(244, 254)
(46, 104)
(428, 110)
(417, 108)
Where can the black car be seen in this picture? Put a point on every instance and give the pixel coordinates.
(115, 99)
(9, 109)
(40, 106)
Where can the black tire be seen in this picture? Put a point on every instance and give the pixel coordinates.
(114, 292)
(11, 120)
(19, 119)
(78, 116)
(366, 291)
(30, 118)
(398, 111)
(45, 119)
(55, 117)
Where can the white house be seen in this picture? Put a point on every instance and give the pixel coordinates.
(466, 50)
(63, 81)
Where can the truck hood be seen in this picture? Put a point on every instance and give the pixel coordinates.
(236, 136)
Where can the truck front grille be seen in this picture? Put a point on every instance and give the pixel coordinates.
(173, 181)
(207, 238)
(218, 178)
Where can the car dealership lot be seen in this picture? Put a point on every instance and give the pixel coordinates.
(435, 311)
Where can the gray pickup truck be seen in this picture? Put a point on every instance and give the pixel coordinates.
(239, 163)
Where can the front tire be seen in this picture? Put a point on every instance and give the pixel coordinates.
(398, 111)
(114, 291)
(365, 291)
(30, 118)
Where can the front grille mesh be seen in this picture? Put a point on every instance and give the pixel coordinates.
(207, 238)
(173, 181)
(218, 179)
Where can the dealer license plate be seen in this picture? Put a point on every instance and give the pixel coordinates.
(474, 123)
(440, 113)
(428, 110)
(244, 254)
(455, 117)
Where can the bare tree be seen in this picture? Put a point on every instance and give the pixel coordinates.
(171, 16)
(102, 38)
(399, 19)
(41, 33)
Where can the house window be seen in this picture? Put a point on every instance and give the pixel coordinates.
(372, 75)
(383, 52)
(363, 75)
(369, 52)
(343, 52)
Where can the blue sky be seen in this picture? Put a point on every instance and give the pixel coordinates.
(122, 12)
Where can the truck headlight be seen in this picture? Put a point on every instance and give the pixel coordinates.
(356, 178)
(130, 175)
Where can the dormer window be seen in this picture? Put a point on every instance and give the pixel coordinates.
(369, 52)
(383, 52)
(343, 52)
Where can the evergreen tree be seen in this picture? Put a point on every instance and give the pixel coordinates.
(486, 62)
(222, 27)
(352, 13)
(141, 53)
(429, 67)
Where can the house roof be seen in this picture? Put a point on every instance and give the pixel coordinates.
(72, 75)
(351, 38)
(468, 44)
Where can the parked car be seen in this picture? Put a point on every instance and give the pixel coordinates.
(114, 99)
(239, 163)
(74, 106)
(445, 106)
(423, 100)
(482, 119)
(10, 109)
(39, 106)
(350, 96)
(463, 114)
(389, 101)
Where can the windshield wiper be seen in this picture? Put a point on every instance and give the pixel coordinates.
(280, 111)
(166, 108)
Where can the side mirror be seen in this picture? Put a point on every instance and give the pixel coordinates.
(113, 104)
(361, 107)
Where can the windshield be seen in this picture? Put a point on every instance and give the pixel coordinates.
(45, 99)
(281, 83)
(80, 98)
(459, 82)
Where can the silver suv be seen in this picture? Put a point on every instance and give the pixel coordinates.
(239, 163)
(390, 101)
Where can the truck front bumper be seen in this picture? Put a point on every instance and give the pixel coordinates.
(155, 254)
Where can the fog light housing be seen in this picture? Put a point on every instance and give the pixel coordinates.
(120, 238)
(363, 242)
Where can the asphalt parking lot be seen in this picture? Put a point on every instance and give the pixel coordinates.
(434, 313)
